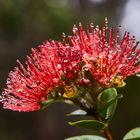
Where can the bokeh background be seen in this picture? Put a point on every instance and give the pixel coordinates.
(27, 23)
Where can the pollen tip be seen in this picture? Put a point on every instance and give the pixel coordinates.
(91, 25)
(63, 35)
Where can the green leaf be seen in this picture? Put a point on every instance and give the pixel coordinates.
(107, 103)
(89, 124)
(133, 134)
(46, 103)
(77, 112)
(119, 96)
(138, 138)
(86, 137)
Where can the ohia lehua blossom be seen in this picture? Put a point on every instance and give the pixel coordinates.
(95, 54)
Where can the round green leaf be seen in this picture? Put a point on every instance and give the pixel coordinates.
(107, 103)
(89, 124)
(133, 134)
(86, 137)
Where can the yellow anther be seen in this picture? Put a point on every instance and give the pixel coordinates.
(118, 81)
(70, 92)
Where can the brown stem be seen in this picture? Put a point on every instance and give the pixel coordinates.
(107, 133)
(105, 130)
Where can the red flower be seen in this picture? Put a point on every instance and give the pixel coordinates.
(55, 64)
(28, 86)
(109, 59)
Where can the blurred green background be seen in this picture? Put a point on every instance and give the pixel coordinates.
(27, 23)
